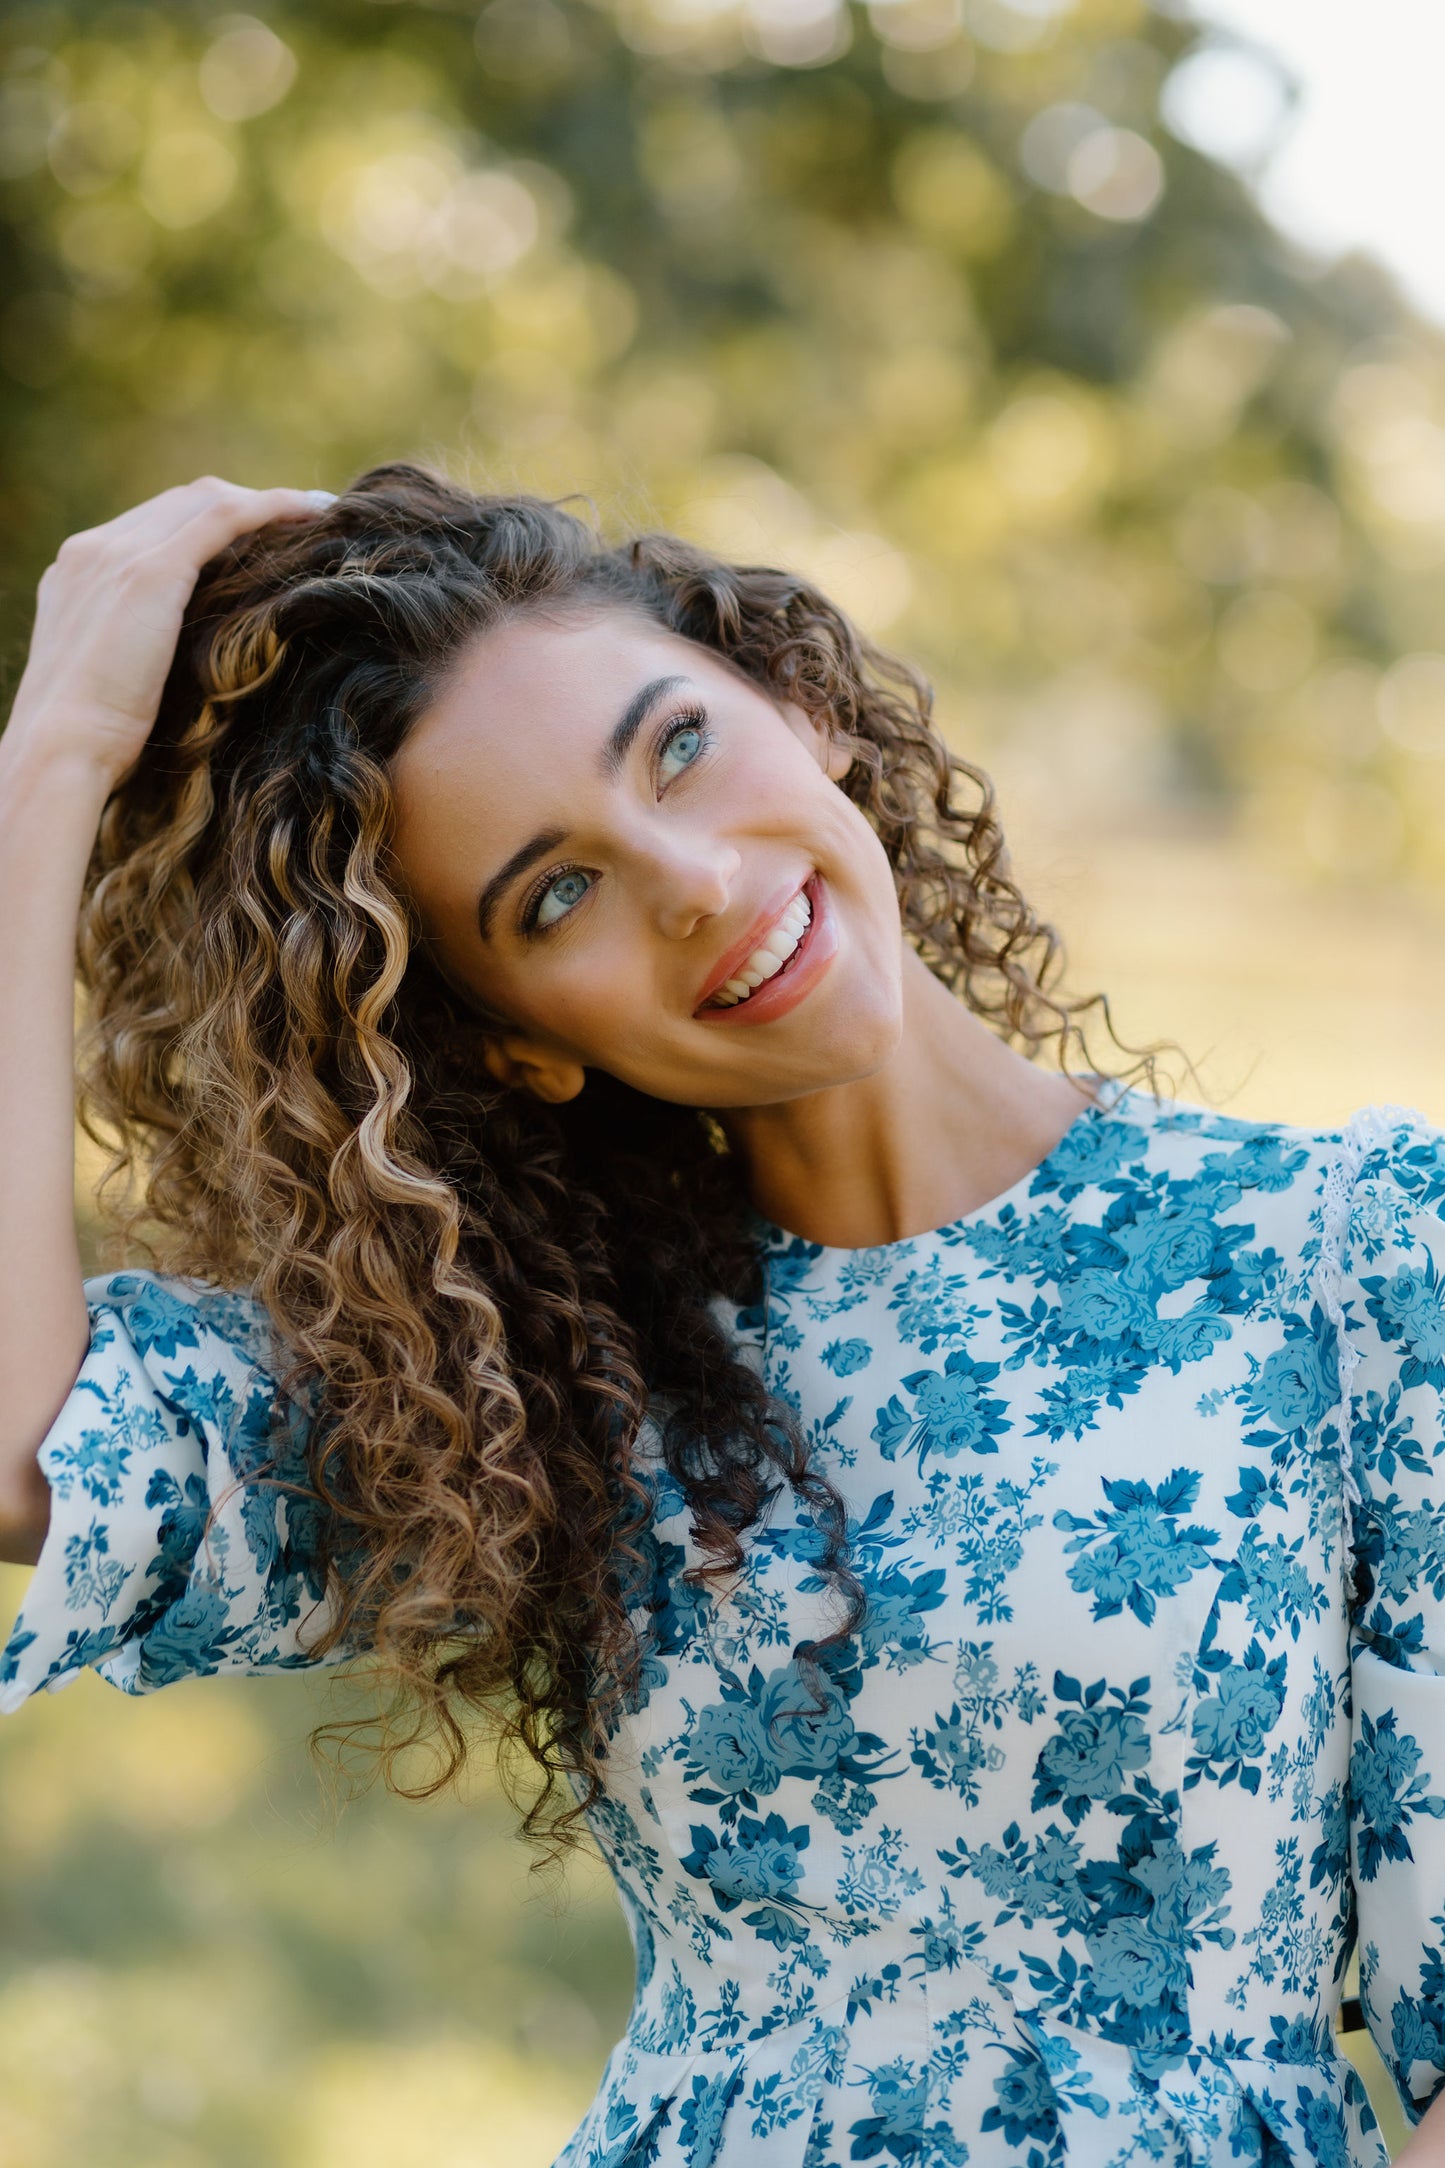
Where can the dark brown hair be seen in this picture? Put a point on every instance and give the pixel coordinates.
(480, 1298)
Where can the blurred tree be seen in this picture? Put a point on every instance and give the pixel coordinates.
(922, 296)
(198, 1970)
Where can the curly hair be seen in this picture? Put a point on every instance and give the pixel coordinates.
(480, 1300)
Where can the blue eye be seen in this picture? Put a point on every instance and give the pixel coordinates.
(561, 896)
(683, 744)
(683, 741)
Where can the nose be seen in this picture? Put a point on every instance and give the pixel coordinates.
(690, 878)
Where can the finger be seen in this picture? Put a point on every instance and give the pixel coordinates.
(153, 516)
(149, 524)
(218, 518)
(223, 509)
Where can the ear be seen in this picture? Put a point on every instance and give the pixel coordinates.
(522, 1064)
(839, 756)
(829, 748)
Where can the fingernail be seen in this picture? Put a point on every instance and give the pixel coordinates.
(320, 498)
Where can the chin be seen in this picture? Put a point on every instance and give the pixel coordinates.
(858, 1048)
(854, 1040)
(865, 1015)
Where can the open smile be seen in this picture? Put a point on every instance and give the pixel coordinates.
(780, 966)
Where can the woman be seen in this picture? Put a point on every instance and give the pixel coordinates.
(930, 1511)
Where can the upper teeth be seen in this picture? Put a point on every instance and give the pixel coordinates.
(769, 956)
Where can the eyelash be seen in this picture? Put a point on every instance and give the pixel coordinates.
(685, 719)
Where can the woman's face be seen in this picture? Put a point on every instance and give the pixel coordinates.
(602, 824)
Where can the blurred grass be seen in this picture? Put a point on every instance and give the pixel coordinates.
(197, 1966)
(389, 1991)
(1296, 1000)
(927, 298)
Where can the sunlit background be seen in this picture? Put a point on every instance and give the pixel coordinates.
(971, 309)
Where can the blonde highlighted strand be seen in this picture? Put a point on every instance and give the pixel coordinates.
(480, 1303)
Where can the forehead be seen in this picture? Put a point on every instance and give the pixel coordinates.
(538, 693)
(512, 742)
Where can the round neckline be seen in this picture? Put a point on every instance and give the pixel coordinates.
(1111, 1096)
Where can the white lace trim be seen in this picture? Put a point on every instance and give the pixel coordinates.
(1362, 1134)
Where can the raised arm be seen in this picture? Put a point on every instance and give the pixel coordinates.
(107, 618)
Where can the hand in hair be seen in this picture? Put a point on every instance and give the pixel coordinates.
(108, 615)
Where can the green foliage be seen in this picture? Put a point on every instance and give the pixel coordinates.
(919, 296)
(200, 1964)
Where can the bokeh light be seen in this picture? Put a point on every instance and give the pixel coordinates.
(963, 308)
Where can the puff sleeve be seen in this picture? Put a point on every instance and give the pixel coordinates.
(166, 1557)
(1392, 1289)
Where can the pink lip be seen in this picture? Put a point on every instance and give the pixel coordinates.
(804, 968)
(740, 951)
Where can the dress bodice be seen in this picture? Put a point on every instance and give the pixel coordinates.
(1059, 1856)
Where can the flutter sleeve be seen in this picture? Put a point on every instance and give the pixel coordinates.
(1393, 1362)
(175, 1547)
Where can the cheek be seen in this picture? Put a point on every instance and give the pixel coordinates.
(862, 852)
(577, 999)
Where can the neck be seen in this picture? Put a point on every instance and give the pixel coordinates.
(952, 1118)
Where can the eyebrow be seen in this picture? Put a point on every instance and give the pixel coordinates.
(614, 753)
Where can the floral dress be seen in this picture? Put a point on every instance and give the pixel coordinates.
(1060, 1857)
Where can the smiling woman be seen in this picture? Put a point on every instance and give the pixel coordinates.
(449, 808)
(566, 1013)
(636, 895)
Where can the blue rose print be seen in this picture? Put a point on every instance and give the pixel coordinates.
(192, 1635)
(756, 1863)
(1087, 1157)
(1095, 1749)
(1136, 1551)
(843, 1357)
(1026, 2106)
(1297, 1385)
(1323, 2123)
(761, 1861)
(159, 1318)
(787, 1722)
(1416, 2017)
(1232, 1721)
(1135, 1964)
(899, 2128)
(1388, 1789)
(1297, 2040)
(1165, 1253)
(1409, 1308)
(1055, 1843)
(953, 1412)
(1099, 1304)
(728, 1747)
(703, 2110)
(1043, 2083)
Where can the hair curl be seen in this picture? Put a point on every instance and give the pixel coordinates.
(479, 1298)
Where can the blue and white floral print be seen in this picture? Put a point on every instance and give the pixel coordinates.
(165, 1557)
(1060, 1857)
